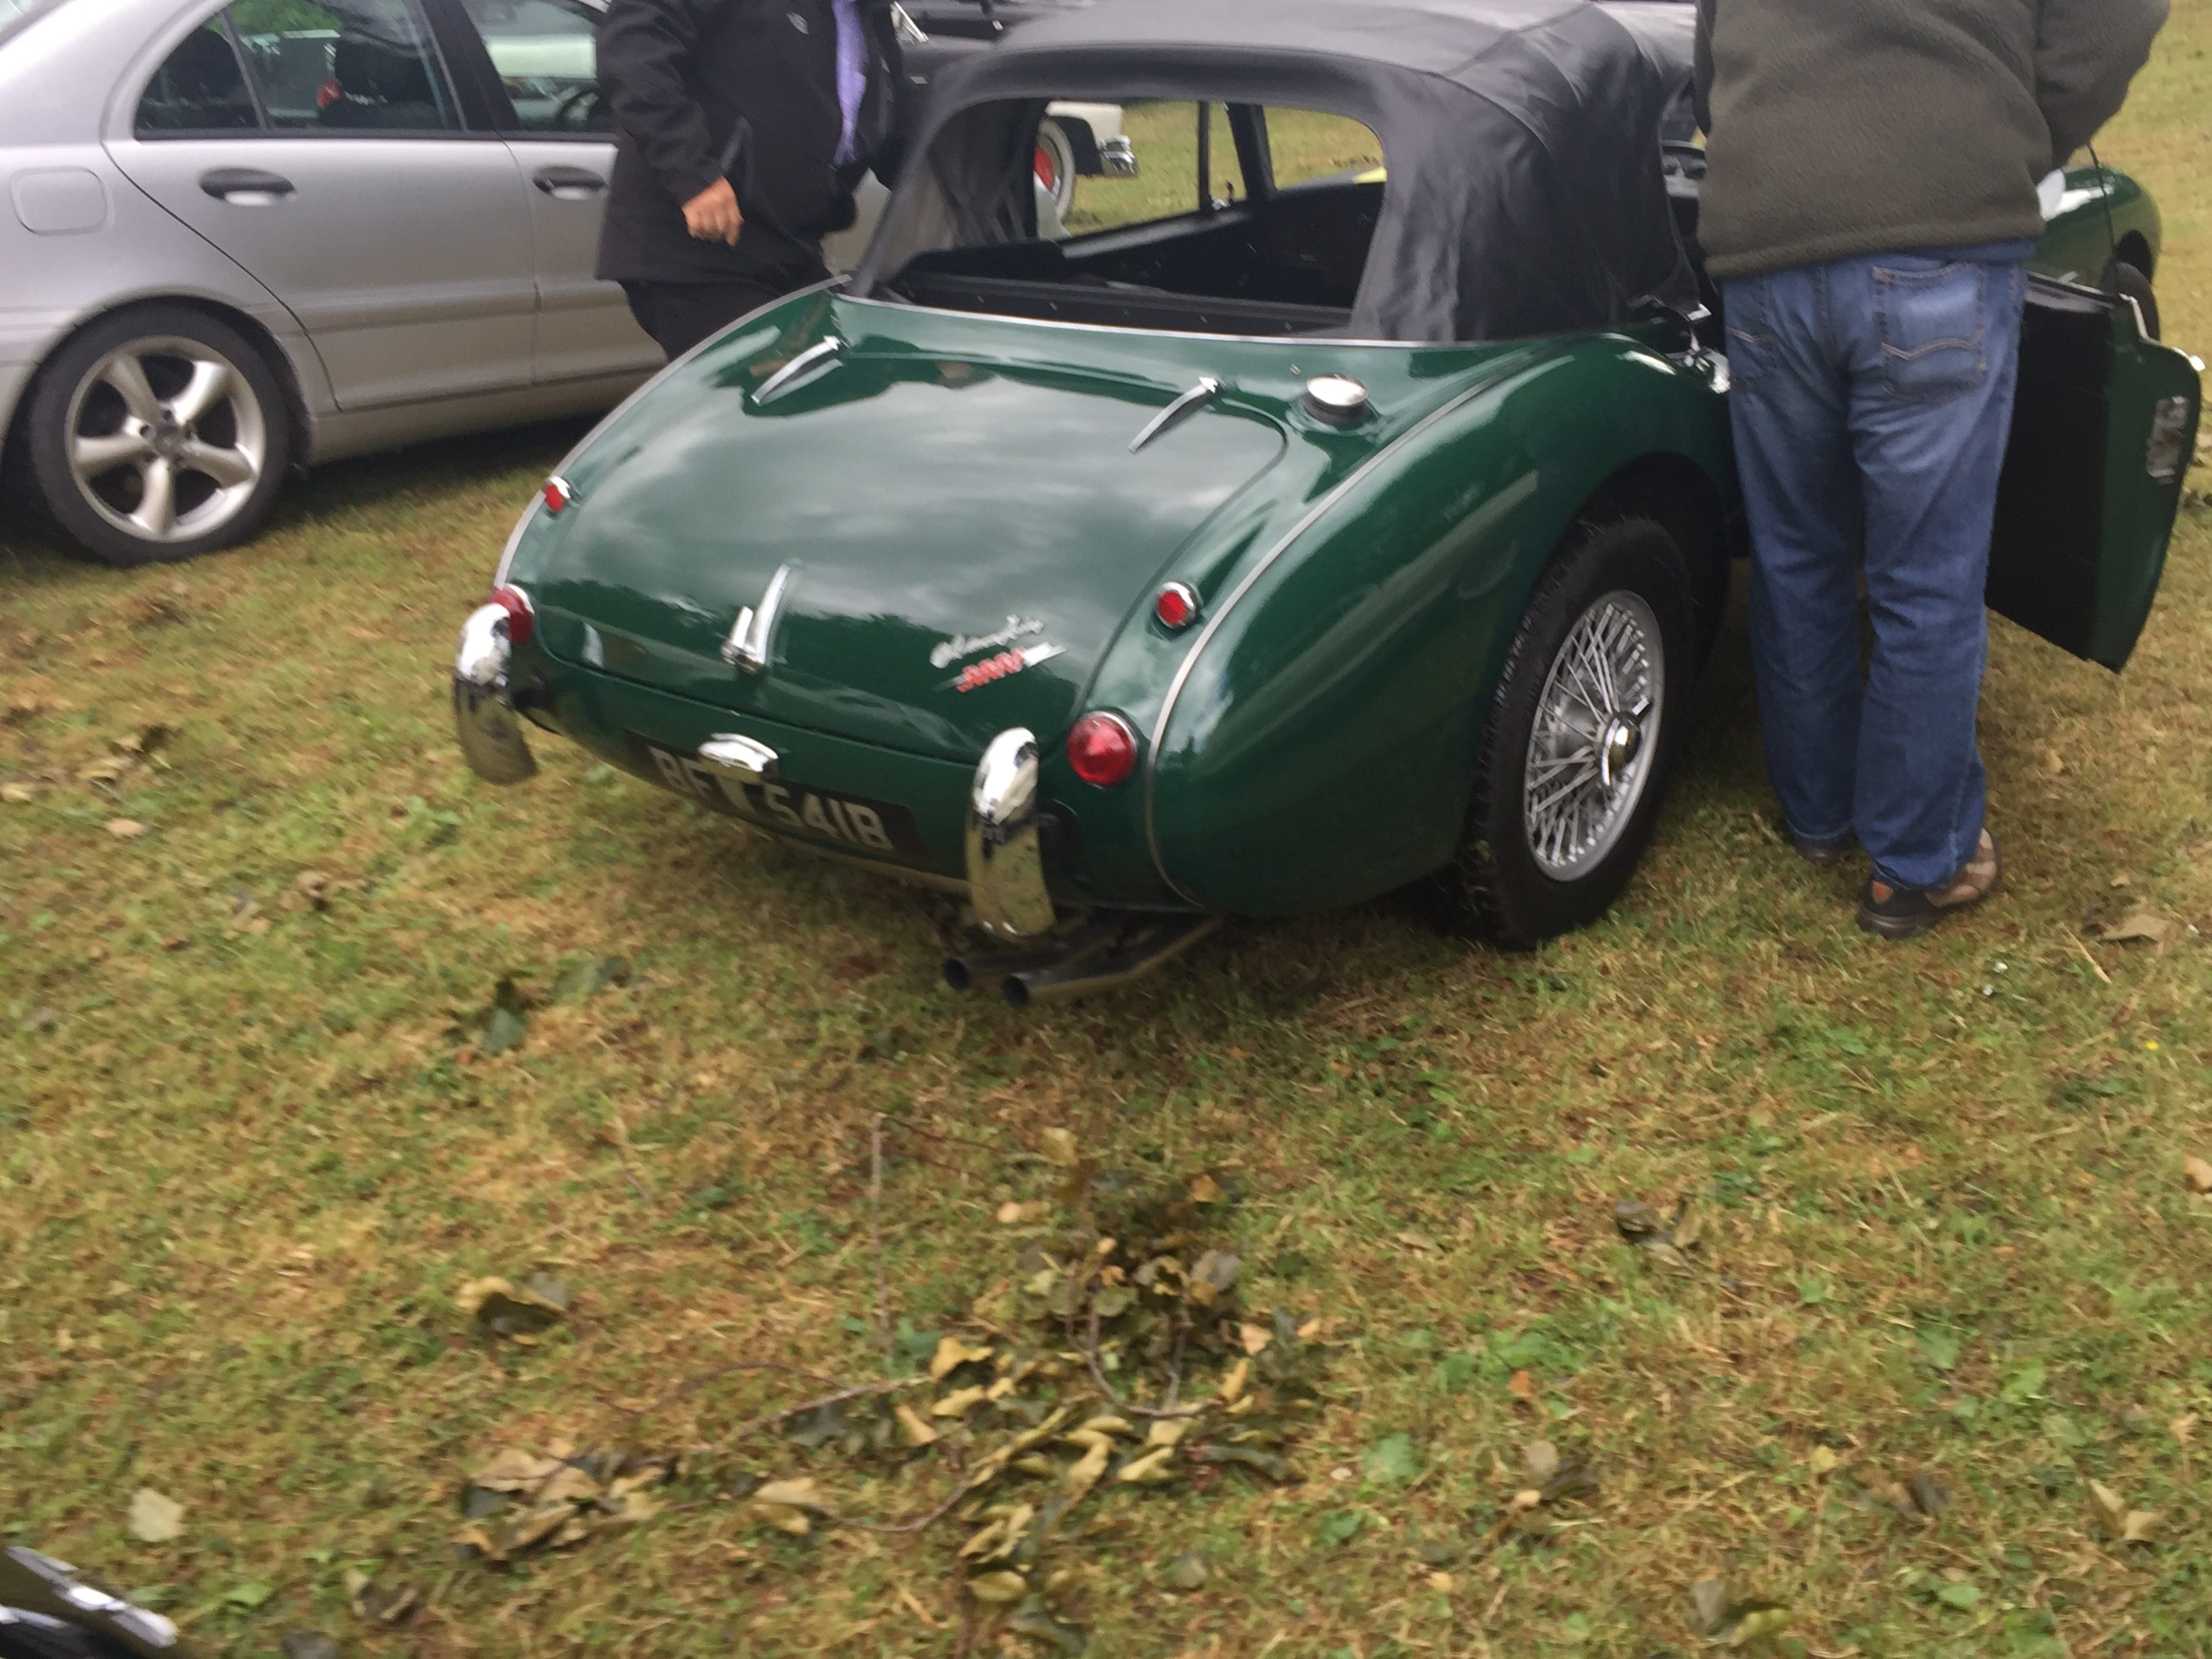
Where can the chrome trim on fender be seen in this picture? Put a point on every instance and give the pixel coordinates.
(796, 367)
(746, 759)
(1206, 389)
(1005, 854)
(1501, 369)
(484, 720)
(754, 631)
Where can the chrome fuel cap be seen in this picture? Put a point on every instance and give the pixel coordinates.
(1336, 399)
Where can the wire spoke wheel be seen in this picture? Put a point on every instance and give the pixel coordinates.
(165, 440)
(1596, 735)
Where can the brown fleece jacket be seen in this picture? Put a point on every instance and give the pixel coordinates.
(1839, 128)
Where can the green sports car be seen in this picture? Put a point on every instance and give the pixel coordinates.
(1347, 508)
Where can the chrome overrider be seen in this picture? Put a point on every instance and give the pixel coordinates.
(1005, 854)
(483, 703)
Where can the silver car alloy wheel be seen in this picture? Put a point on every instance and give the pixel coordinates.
(166, 438)
(1597, 733)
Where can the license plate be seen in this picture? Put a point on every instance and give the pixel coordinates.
(855, 821)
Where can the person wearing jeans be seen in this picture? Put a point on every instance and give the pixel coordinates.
(1868, 208)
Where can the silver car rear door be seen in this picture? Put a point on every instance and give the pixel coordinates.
(399, 240)
(540, 59)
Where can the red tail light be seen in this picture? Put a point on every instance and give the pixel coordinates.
(1102, 749)
(1176, 606)
(520, 619)
(1048, 175)
(558, 494)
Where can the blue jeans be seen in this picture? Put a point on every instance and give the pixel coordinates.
(1872, 403)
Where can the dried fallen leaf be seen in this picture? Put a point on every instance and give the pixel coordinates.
(377, 1603)
(1150, 1469)
(17, 794)
(959, 1403)
(1083, 1475)
(1060, 1147)
(1414, 1241)
(1823, 1459)
(1636, 1220)
(2140, 928)
(1539, 1462)
(155, 1519)
(313, 888)
(125, 828)
(1233, 1381)
(1187, 1571)
(1254, 1338)
(1441, 1582)
(2183, 1427)
(1205, 1190)
(1520, 1385)
(784, 1505)
(918, 1432)
(2139, 1526)
(2198, 1173)
(1001, 1589)
(951, 1354)
(1709, 1605)
(513, 1469)
(1012, 1214)
(2107, 1507)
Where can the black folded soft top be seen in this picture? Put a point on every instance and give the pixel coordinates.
(1525, 191)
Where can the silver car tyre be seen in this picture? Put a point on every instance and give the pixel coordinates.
(158, 434)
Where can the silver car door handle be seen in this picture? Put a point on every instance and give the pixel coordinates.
(568, 184)
(248, 186)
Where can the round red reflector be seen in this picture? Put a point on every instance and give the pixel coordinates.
(1177, 605)
(520, 619)
(1102, 749)
(557, 494)
(1048, 175)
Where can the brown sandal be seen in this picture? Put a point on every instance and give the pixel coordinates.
(1898, 913)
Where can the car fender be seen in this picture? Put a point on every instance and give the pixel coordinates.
(1320, 745)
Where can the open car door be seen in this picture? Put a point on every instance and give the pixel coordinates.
(2104, 427)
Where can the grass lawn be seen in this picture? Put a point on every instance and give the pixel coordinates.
(253, 1143)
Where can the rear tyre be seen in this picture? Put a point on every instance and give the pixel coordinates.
(156, 434)
(1581, 738)
(2130, 282)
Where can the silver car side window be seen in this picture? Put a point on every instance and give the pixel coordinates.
(546, 55)
(345, 67)
(199, 88)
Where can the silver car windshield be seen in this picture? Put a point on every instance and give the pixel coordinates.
(14, 13)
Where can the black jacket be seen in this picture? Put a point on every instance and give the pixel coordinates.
(686, 78)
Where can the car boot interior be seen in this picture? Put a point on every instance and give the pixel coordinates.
(1285, 264)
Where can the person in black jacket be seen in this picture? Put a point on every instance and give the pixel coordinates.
(741, 128)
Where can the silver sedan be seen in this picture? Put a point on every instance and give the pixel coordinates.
(237, 238)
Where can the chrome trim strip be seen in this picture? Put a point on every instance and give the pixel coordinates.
(1331, 342)
(514, 539)
(1004, 851)
(754, 631)
(1500, 368)
(797, 366)
(1206, 388)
